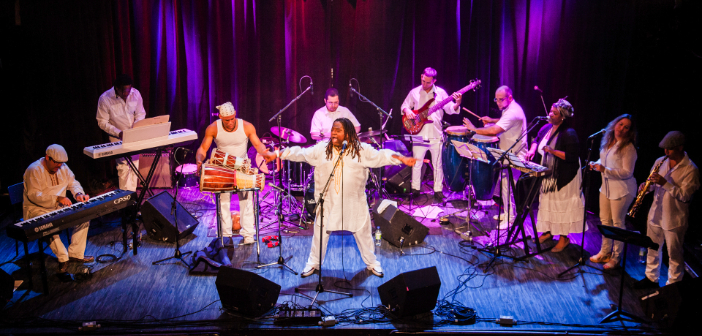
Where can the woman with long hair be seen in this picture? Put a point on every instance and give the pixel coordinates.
(616, 164)
(561, 201)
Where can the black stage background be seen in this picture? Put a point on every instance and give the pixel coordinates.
(186, 56)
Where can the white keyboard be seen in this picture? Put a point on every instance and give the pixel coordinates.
(118, 148)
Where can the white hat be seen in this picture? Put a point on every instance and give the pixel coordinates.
(226, 109)
(57, 153)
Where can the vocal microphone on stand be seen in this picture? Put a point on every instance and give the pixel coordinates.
(596, 134)
(343, 146)
(350, 90)
(311, 87)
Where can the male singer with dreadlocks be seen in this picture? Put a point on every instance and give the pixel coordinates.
(345, 206)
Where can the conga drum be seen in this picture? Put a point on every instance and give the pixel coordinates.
(483, 175)
(454, 165)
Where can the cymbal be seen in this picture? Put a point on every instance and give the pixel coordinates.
(288, 134)
(371, 133)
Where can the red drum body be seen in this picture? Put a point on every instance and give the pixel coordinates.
(217, 179)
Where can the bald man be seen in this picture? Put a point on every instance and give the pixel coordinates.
(509, 127)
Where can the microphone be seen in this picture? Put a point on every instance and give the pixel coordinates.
(596, 134)
(541, 118)
(350, 90)
(445, 124)
(343, 145)
(311, 87)
(536, 87)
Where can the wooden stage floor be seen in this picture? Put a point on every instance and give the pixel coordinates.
(130, 295)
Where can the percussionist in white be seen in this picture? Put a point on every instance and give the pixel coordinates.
(345, 206)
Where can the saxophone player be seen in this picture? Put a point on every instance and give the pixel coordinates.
(673, 186)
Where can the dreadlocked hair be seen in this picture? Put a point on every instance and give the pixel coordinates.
(354, 147)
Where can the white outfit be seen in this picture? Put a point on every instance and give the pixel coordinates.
(345, 205)
(617, 192)
(667, 218)
(235, 143)
(41, 191)
(431, 132)
(513, 122)
(323, 119)
(560, 211)
(114, 115)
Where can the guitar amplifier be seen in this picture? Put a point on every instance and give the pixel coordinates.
(162, 171)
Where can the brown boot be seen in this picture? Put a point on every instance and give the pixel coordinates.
(86, 259)
(63, 267)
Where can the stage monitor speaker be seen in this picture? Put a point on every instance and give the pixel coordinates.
(676, 305)
(399, 178)
(246, 293)
(162, 171)
(399, 228)
(160, 222)
(411, 293)
(7, 286)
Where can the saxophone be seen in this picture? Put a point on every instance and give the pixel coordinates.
(642, 193)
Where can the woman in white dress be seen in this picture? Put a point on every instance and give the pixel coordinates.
(345, 206)
(561, 202)
(616, 164)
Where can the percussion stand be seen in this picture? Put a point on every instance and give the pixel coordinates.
(281, 261)
(320, 203)
(174, 210)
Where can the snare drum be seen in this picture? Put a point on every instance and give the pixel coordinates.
(186, 174)
(217, 179)
(454, 165)
(481, 174)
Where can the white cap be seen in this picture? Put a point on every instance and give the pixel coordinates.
(226, 109)
(57, 153)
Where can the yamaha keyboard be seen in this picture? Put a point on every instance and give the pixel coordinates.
(118, 148)
(70, 216)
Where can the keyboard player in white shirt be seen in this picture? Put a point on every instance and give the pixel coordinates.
(45, 184)
(118, 109)
(231, 135)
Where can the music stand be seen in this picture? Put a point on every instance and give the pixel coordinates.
(627, 237)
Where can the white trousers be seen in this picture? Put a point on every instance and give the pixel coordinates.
(676, 264)
(79, 239)
(505, 193)
(418, 152)
(613, 213)
(245, 211)
(127, 177)
(364, 240)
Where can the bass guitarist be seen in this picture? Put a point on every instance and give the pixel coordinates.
(432, 132)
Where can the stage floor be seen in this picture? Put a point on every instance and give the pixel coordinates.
(130, 295)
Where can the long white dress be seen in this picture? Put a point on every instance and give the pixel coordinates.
(560, 211)
(345, 206)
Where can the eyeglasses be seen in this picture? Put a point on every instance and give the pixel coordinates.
(499, 100)
(54, 161)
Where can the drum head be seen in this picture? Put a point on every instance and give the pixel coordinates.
(257, 161)
(456, 130)
(187, 169)
(485, 138)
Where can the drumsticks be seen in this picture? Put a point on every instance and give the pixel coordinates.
(467, 110)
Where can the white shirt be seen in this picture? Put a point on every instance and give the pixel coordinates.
(41, 189)
(514, 123)
(618, 177)
(115, 115)
(347, 189)
(418, 97)
(323, 119)
(671, 202)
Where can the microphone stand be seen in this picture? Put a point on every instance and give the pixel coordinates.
(320, 203)
(174, 212)
(380, 111)
(281, 261)
(586, 189)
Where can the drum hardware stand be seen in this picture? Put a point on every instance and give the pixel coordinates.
(586, 190)
(281, 261)
(174, 210)
(320, 203)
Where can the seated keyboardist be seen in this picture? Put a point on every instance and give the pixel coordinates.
(45, 183)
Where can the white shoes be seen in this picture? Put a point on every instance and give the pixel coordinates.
(376, 270)
(499, 217)
(309, 270)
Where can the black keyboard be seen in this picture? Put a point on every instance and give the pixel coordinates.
(70, 216)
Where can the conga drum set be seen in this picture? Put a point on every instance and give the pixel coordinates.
(460, 172)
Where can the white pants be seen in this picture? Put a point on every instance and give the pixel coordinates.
(613, 213)
(127, 177)
(245, 211)
(364, 240)
(79, 239)
(418, 152)
(505, 189)
(676, 264)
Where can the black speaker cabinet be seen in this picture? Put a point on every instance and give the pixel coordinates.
(411, 293)
(399, 178)
(246, 293)
(160, 223)
(397, 225)
(676, 305)
(7, 286)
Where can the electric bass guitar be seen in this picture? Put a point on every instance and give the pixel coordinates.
(414, 125)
